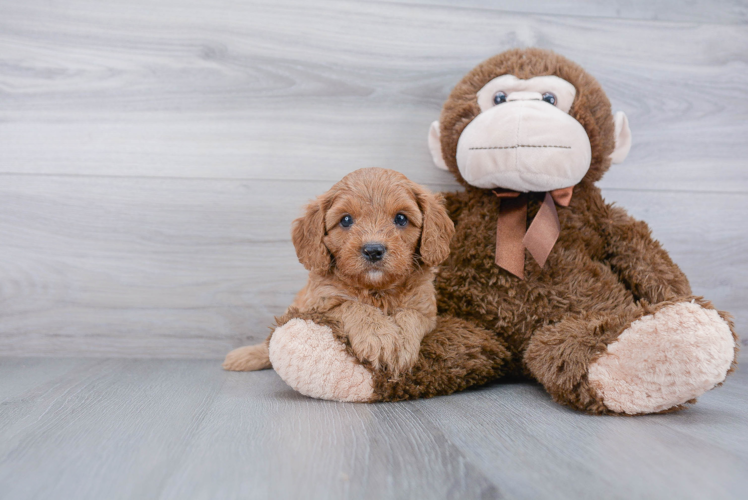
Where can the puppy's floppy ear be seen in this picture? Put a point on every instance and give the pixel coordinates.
(308, 233)
(437, 228)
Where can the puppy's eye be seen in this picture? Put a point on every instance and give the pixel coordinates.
(401, 220)
(549, 98)
(346, 221)
(499, 97)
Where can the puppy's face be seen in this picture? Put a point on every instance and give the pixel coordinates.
(373, 231)
(373, 228)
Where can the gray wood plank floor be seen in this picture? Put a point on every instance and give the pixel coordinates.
(154, 153)
(158, 429)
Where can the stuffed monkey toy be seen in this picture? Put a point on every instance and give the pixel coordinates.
(545, 280)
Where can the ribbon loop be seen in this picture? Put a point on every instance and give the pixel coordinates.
(562, 196)
(543, 232)
(513, 236)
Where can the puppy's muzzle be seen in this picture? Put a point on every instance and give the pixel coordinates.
(373, 252)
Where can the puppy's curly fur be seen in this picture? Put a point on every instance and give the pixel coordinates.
(384, 303)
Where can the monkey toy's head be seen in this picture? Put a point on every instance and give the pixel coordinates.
(528, 121)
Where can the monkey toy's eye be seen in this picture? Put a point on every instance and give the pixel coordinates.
(401, 220)
(549, 98)
(346, 221)
(499, 97)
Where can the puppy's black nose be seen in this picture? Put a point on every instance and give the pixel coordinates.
(373, 252)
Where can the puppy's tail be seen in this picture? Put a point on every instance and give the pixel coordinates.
(248, 358)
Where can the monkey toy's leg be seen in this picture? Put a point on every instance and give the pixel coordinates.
(660, 350)
(312, 356)
(635, 361)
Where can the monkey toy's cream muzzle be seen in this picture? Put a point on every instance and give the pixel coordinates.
(523, 145)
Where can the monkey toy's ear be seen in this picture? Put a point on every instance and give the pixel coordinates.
(308, 233)
(622, 136)
(435, 146)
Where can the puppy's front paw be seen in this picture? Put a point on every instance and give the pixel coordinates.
(385, 349)
(247, 359)
(407, 354)
(368, 348)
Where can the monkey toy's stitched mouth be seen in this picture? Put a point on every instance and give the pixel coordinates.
(517, 146)
(525, 146)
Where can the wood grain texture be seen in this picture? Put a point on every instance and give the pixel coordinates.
(592, 457)
(152, 155)
(112, 420)
(287, 446)
(160, 269)
(209, 91)
(163, 429)
(719, 11)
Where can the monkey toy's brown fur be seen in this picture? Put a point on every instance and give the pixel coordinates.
(604, 273)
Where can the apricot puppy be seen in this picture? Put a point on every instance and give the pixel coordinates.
(371, 244)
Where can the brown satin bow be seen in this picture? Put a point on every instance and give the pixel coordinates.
(513, 235)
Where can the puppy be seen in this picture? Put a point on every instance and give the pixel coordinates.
(371, 244)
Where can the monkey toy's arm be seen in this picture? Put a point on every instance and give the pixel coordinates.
(640, 261)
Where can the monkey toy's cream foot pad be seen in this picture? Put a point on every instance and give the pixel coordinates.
(309, 359)
(664, 359)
